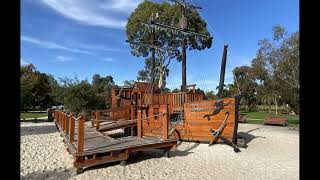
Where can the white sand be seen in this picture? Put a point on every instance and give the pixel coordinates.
(272, 153)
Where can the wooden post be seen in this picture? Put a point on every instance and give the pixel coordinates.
(61, 120)
(81, 134)
(164, 119)
(132, 112)
(92, 113)
(67, 124)
(71, 135)
(97, 119)
(64, 122)
(139, 124)
(58, 119)
(132, 118)
(144, 113)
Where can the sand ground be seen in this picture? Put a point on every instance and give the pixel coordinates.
(272, 153)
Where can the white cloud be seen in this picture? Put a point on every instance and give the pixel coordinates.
(98, 48)
(95, 12)
(75, 47)
(52, 45)
(108, 59)
(23, 62)
(64, 58)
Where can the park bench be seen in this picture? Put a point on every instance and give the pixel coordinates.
(276, 120)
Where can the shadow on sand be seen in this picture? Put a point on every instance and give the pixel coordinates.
(35, 120)
(248, 137)
(37, 130)
(50, 174)
(137, 157)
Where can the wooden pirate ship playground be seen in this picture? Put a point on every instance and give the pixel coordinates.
(151, 119)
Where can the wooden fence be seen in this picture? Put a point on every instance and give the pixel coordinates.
(67, 123)
(174, 100)
(113, 114)
(154, 122)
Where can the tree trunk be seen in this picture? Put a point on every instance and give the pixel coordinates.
(269, 104)
(161, 77)
(275, 101)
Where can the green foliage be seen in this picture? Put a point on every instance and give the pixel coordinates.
(25, 115)
(43, 90)
(168, 14)
(258, 117)
(210, 95)
(247, 84)
(274, 73)
(166, 90)
(176, 90)
(78, 96)
(102, 88)
(127, 83)
(198, 90)
(35, 88)
(229, 90)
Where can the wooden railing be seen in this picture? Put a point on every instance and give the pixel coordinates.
(154, 124)
(66, 123)
(113, 114)
(174, 100)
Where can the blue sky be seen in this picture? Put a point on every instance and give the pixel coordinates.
(83, 37)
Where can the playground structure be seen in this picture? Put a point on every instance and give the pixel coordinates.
(151, 119)
(90, 147)
(190, 118)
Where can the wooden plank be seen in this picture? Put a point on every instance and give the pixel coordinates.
(139, 124)
(80, 134)
(101, 160)
(67, 124)
(164, 118)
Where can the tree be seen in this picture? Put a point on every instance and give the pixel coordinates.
(176, 90)
(198, 90)
(168, 14)
(246, 83)
(145, 74)
(210, 95)
(128, 84)
(233, 90)
(276, 67)
(102, 87)
(229, 90)
(225, 91)
(166, 90)
(78, 96)
(35, 88)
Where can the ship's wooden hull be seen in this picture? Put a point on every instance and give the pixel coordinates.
(199, 119)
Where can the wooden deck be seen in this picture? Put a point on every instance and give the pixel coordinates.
(90, 147)
(97, 142)
(112, 125)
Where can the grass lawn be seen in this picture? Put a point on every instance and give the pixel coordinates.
(31, 115)
(252, 117)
